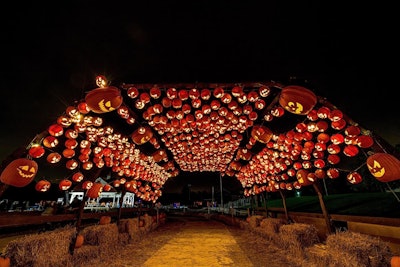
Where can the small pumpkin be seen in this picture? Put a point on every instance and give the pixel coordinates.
(395, 261)
(19, 173)
(80, 239)
(95, 190)
(4, 261)
(105, 220)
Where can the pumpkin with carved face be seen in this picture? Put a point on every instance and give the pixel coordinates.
(19, 173)
(142, 135)
(103, 100)
(297, 99)
(384, 167)
(42, 186)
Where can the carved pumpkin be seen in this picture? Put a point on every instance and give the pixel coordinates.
(261, 133)
(384, 167)
(102, 100)
(64, 184)
(95, 190)
(141, 135)
(297, 99)
(36, 151)
(19, 173)
(42, 186)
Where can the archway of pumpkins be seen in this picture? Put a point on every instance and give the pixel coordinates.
(268, 136)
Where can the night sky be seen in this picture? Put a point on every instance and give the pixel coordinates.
(51, 54)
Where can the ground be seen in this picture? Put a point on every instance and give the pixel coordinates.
(197, 241)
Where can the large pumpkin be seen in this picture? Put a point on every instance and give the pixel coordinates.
(19, 173)
(103, 100)
(384, 167)
(297, 99)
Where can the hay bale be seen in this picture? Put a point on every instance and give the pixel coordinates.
(254, 221)
(48, 249)
(271, 225)
(85, 254)
(105, 236)
(297, 234)
(318, 255)
(356, 249)
(123, 238)
(122, 226)
(132, 228)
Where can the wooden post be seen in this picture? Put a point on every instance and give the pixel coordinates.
(284, 205)
(121, 201)
(328, 223)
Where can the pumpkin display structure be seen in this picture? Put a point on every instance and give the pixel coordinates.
(297, 99)
(384, 167)
(103, 100)
(20, 172)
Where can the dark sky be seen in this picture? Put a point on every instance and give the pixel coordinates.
(51, 54)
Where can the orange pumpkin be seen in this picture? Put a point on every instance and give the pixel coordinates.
(297, 99)
(384, 167)
(103, 100)
(95, 190)
(42, 186)
(80, 239)
(142, 135)
(261, 133)
(395, 261)
(19, 173)
(4, 261)
(105, 220)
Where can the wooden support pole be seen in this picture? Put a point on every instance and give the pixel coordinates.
(329, 226)
(284, 205)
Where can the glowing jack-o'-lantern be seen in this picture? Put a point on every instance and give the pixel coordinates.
(297, 99)
(95, 190)
(142, 135)
(19, 172)
(102, 100)
(36, 151)
(42, 186)
(64, 184)
(384, 167)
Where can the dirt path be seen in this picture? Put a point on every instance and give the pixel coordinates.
(196, 241)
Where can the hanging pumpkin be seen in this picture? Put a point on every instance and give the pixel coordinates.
(384, 167)
(19, 173)
(64, 184)
(141, 135)
(95, 190)
(261, 133)
(36, 151)
(297, 99)
(102, 100)
(42, 186)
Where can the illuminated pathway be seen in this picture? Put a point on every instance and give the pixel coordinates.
(201, 244)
